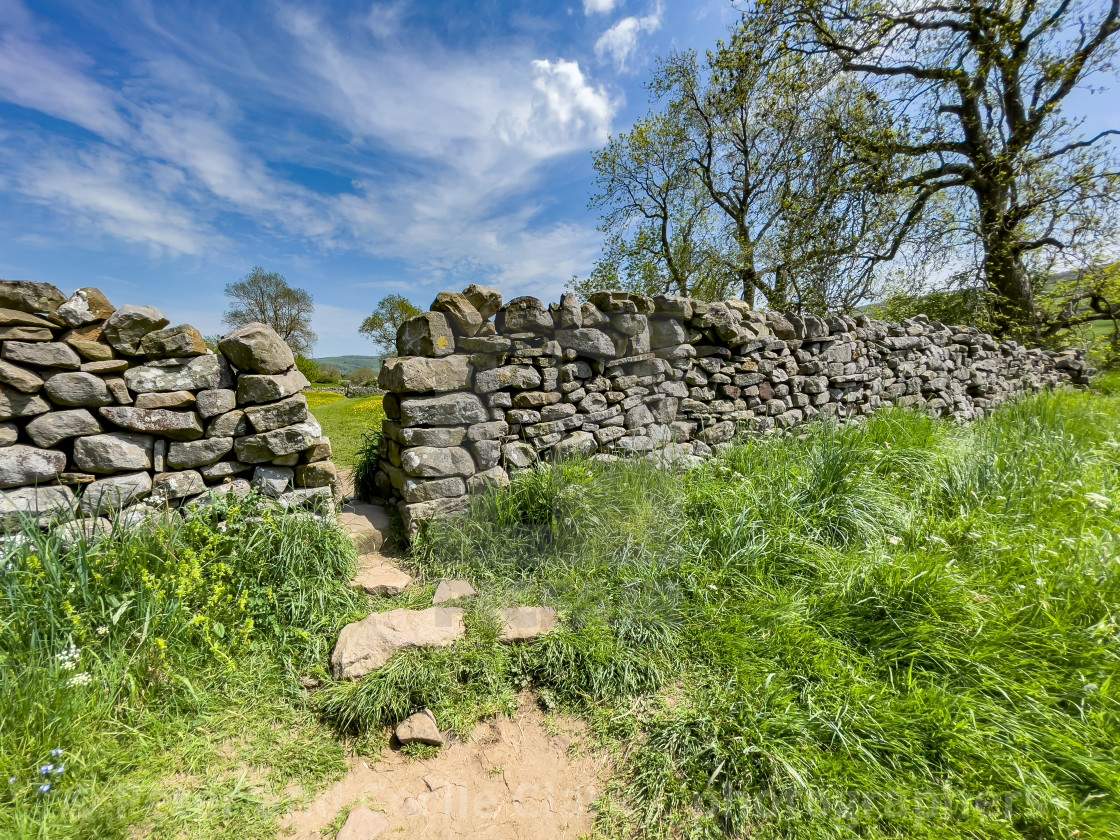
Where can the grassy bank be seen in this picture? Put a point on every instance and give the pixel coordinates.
(345, 422)
(905, 629)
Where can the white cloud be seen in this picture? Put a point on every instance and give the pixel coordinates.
(620, 42)
(599, 7)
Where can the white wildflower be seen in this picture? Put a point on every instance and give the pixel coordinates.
(70, 657)
(79, 679)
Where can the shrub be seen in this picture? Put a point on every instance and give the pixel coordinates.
(363, 376)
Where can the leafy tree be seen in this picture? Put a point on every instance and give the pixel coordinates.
(363, 376)
(745, 183)
(382, 324)
(268, 298)
(975, 89)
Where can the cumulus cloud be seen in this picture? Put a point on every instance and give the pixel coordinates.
(620, 42)
(599, 7)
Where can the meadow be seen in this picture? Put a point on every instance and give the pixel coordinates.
(905, 628)
(346, 421)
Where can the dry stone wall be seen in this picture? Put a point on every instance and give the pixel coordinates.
(103, 409)
(480, 389)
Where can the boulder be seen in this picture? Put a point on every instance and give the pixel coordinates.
(214, 401)
(183, 455)
(126, 328)
(34, 503)
(485, 299)
(52, 354)
(522, 377)
(449, 590)
(587, 341)
(113, 452)
(444, 410)
(77, 389)
(260, 448)
(86, 306)
(525, 314)
(363, 824)
(49, 429)
(166, 399)
(193, 374)
(419, 728)
(418, 373)
(116, 492)
(18, 404)
(257, 348)
(366, 645)
(21, 464)
(265, 418)
(461, 313)
(262, 388)
(27, 296)
(176, 342)
(20, 378)
(520, 623)
(176, 425)
(169, 486)
(426, 335)
(272, 481)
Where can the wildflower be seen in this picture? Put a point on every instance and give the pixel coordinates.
(79, 679)
(58, 771)
(44, 789)
(46, 769)
(56, 753)
(893, 540)
(102, 630)
(12, 780)
(69, 657)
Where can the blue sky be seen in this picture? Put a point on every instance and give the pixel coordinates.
(160, 150)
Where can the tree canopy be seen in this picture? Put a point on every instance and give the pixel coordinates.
(268, 298)
(382, 324)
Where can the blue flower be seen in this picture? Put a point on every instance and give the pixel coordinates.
(56, 753)
(44, 789)
(58, 771)
(46, 769)
(12, 780)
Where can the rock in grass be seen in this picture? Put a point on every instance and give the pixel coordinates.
(366, 645)
(420, 728)
(520, 623)
(363, 824)
(449, 590)
(382, 579)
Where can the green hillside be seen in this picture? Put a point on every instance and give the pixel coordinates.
(348, 364)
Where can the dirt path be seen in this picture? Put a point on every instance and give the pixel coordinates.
(521, 779)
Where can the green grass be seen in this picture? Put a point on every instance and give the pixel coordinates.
(160, 669)
(902, 629)
(346, 422)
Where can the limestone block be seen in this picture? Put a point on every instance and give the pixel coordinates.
(318, 451)
(444, 410)
(587, 342)
(106, 365)
(418, 436)
(126, 328)
(575, 444)
(177, 342)
(522, 623)
(272, 481)
(223, 469)
(21, 464)
(166, 399)
(363, 824)
(622, 302)
(512, 376)
(115, 492)
(288, 412)
(25, 334)
(419, 728)
(519, 454)
(428, 334)
(77, 389)
(421, 490)
(9, 434)
(214, 401)
(34, 503)
(420, 373)
(15, 318)
(437, 462)
(183, 455)
(85, 306)
(482, 481)
(169, 486)
(231, 424)
(262, 388)
(15, 404)
(487, 454)
(113, 452)
(525, 314)
(257, 348)
(20, 378)
(260, 448)
(188, 374)
(485, 299)
(176, 425)
(490, 344)
(27, 296)
(461, 314)
(51, 354)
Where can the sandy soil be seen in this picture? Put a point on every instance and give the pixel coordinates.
(518, 779)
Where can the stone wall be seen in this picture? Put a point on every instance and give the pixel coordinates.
(480, 389)
(104, 408)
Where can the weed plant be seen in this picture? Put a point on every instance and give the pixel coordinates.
(147, 679)
(904, 628)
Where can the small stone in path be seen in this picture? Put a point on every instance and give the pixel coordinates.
(449, 590)
(366, 645)
(381, 579)
(519, 623)
(363, 824)
(419, 728)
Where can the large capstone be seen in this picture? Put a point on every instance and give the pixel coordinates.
(525, 314)
(445, 410)
(485, 299)
(193, 374)
(176, 342)
(77, 389)
(176, 425)
(257, 348)
(114, 452)
(49, 429)
(417, 373)
(116, 492)
(262, 388)
(426, 335)
(126, 328)
(21, 464)
(27, 296)
(86, 306)
(460, 312)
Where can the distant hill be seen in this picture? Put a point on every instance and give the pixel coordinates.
(348, 364)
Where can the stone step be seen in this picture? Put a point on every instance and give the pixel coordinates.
(366, 645)
(450, 590)
(377, 576)
(521, 623)
(368, 525)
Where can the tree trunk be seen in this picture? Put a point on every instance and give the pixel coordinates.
(1007, 280)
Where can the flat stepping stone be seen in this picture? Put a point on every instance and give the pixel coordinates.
(381, 578)
(449, 590)
(363, 824)
(368, 525)
(420, 728)
(520, 623)
(366, 645)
